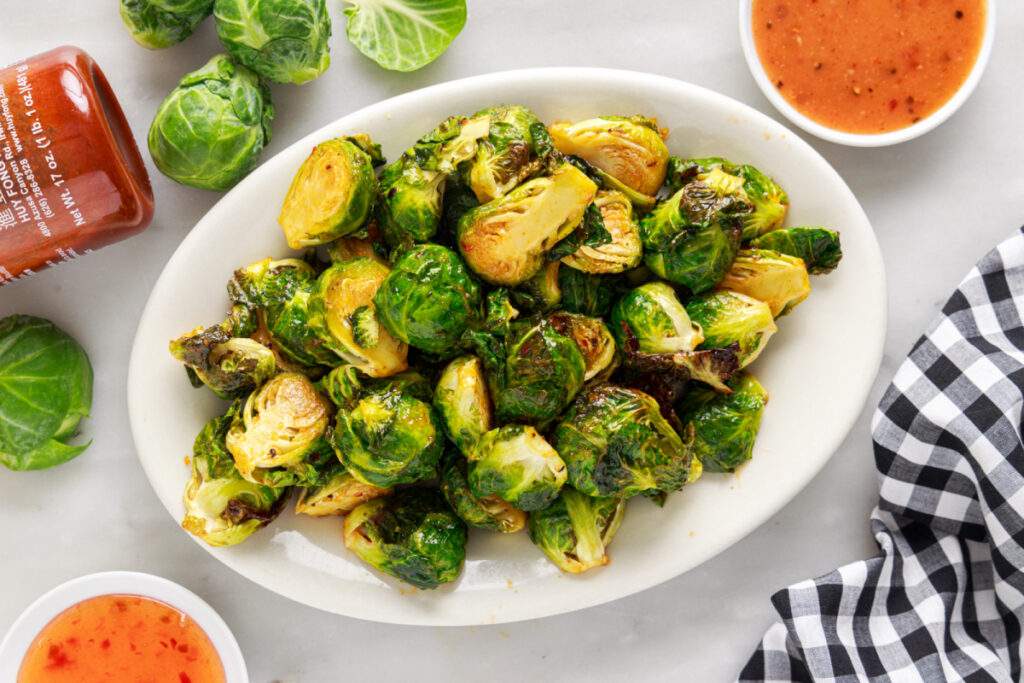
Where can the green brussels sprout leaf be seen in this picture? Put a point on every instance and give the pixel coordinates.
(156, 24)
(818, 247)
(725, 425)
(575, 530)
(490, 512)
(516, 464)
(403, 35)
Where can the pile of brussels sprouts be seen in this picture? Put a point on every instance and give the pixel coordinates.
(510, 326)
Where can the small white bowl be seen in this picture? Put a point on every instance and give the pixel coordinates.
(41, 612)
(862, 139)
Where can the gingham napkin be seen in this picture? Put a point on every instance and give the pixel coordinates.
(945, 599)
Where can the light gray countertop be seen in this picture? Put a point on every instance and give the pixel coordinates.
(937, 204)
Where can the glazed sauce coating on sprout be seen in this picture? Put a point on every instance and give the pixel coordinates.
(868, 66)
(121, 638)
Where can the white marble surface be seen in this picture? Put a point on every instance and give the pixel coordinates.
(937, 204)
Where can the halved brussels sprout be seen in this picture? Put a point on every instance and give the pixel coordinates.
(221, 507)
(629, 149)
(428, 299)
(587, 294)
(490, 512)
(340, 494)
(725, 425)
(624, 251)
(330, 196)
(156, 24)
(615, 442)
(518, 465)
(653, 315)
(462, 400)
(729, 318)
(411, 535)
(508, 155)
(818, 247)
(347, 321)
(231, 366)
(575, 530)
(286, 41)
(279, 427)
(779, 280)
(348, 248)
(541, 293)
(769, 201)
(711, 366)
(504, 241)
(392, 435)
(592, 338)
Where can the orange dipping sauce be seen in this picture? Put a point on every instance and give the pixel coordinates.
(123, 639)
(868, 66)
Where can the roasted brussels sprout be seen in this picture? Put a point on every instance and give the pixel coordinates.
(339, 494)
(504, 241)
(221, 507)
(278, 428)
(509, 154)
(516, 464)
(654, 316)
(269, 284)
(156, 24)
(210, 130)
(231, 366)
(347, 248)
(490, 512)
(331, 194)
(615, 442)
(586, 294)
(428, 299)
(286, 41)
(461, 399)
(624, 249)
(725, 425)
(541, 293)
(343, 312)
(777, 279)
(729, 318)
(629, 149)
(575, 530)
(818, 247)
(769, 201)
(411, 535)
(392, 435)
(592, 338)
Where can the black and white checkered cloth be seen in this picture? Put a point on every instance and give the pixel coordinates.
(945, 599)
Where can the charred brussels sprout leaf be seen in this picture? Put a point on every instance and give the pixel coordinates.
(403, 35)
(286, 41)
(461, 399)
(221, 507)
(156, 24)
(339, 494)
(621, 250)
(615, 442)
(516, 464)
(231, 367)
(575, 530)
(591, 233)
(653, 315)
(411, 535)
(729, 318)
(586, 294)
(508, 155)
(210, 130)
(592, 338)
(777, 279)
(725, 425)
(428, 299)
(490, 512)
(629, 149)
(818, 247)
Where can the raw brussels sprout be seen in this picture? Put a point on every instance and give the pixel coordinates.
(654, 316)
(586, 294)
(210, 130)
(428, 299)
(286, 41)
(156, 24)
(221, 507)
(777, 279)
(769, 201)
(725, 425)
(463, 403)
(516, 464)
(575, 530)
(331, 194)
(489, 512)
(818, 247)
(278, 430)
(411, 535)
(541, 293)
(231, 366)
(392, 435)
(729, 318)
(341, 493)
(344, 314)
(624, 251)
(629, 149)
(509, 154)
(592, 338)
(615, 442)
(504, 241)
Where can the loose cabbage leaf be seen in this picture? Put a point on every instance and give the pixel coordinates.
(404, 35)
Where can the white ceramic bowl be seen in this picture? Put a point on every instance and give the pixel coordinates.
(818, 368)
(861, 139)
(41, 612)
